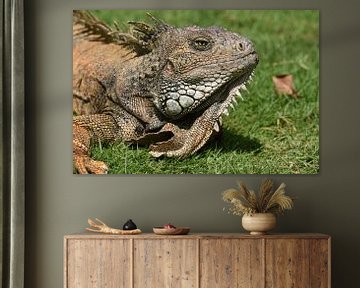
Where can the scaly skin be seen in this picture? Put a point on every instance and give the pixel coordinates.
(162, 86)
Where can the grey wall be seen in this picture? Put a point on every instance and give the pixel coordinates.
(58, 203)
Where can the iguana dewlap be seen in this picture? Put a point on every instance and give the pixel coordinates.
(160, 85)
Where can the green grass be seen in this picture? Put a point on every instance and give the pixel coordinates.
(266, 133)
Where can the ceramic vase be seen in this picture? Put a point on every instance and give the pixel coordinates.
(259, 223)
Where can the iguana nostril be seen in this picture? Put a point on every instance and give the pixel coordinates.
(245, 45)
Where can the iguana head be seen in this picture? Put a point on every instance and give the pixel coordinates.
(200, 66)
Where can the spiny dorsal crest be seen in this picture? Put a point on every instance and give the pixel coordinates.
(142, 37)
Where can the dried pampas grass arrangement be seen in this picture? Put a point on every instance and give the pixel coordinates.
(246, 202)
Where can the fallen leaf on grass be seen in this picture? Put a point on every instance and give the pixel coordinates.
(284, 84)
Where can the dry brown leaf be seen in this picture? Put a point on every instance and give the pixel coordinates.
(284, 84)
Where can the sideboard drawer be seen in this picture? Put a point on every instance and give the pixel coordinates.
(231, 263)
(297, 263)
(165, 263)
(98, 263)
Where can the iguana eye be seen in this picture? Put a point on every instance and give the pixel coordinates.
(201, 44)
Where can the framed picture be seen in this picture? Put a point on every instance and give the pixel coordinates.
(147, 100)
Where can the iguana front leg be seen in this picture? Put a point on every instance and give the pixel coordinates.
(101, 127)
(186, 141)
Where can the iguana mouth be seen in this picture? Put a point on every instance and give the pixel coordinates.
(227, 95)
(232, 90)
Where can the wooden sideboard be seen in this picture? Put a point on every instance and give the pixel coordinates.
(197, 260)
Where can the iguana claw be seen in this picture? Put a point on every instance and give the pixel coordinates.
(182, 144)
(81, 145)
(86, 165)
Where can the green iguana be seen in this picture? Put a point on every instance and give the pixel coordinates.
(157, 85)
